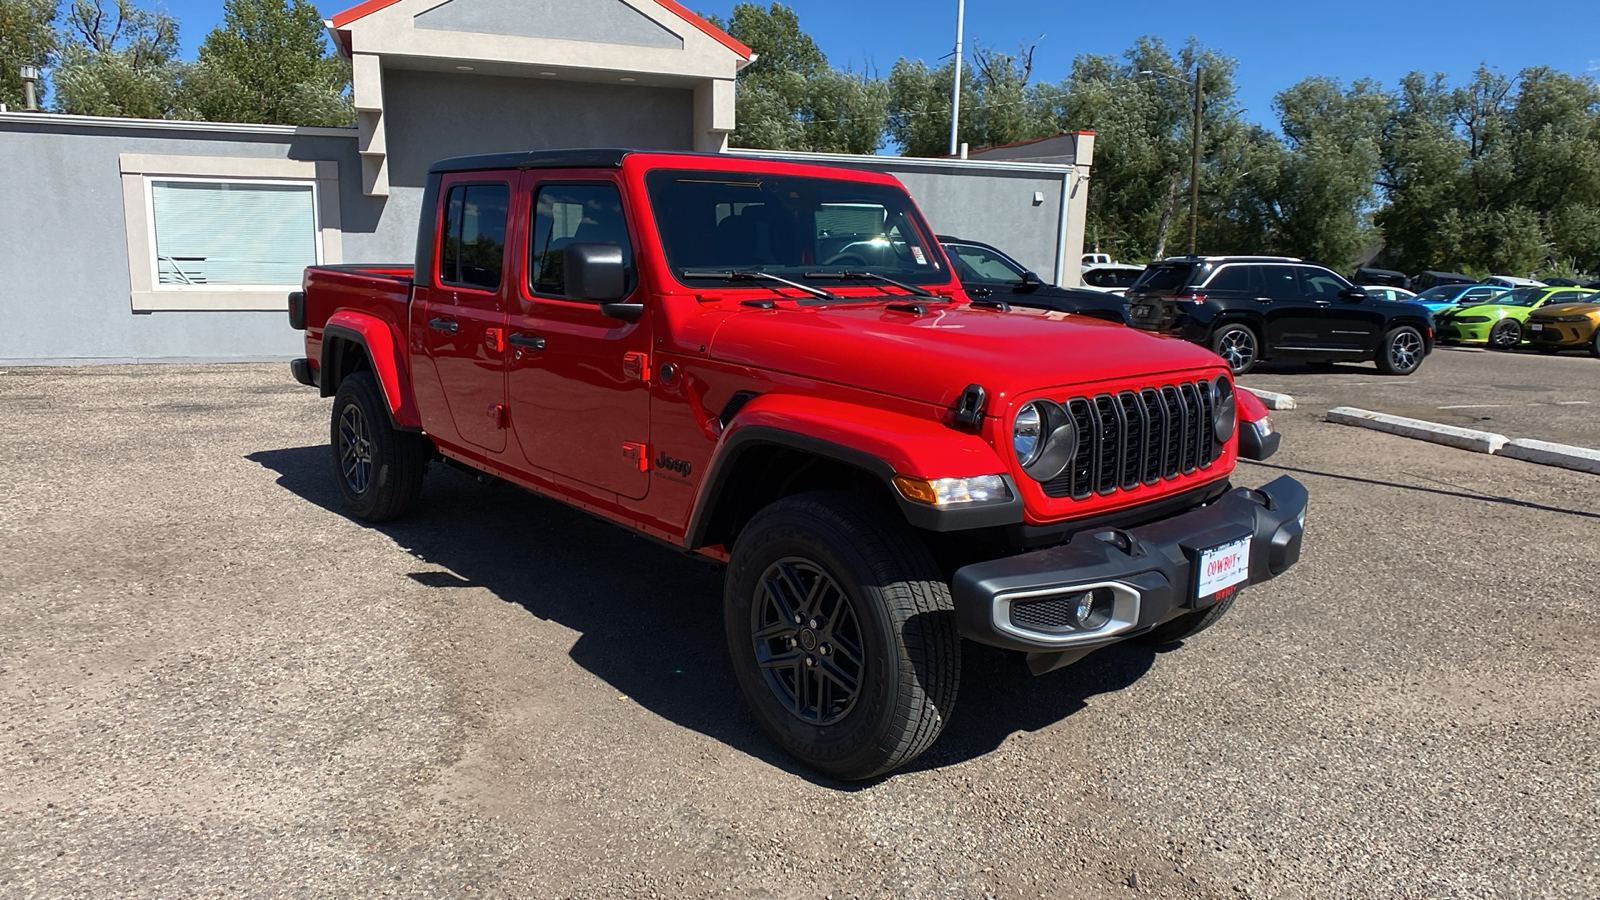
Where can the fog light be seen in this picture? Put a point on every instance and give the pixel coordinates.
(1085, 607)
(954, 491)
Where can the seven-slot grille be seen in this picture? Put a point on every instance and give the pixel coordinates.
(1137, 437)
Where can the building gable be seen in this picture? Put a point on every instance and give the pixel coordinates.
(597, 21)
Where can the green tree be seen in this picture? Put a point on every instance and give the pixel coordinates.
(118, 61)
(27, 38)
(269, 62)
(1000, 103)
(789, 98)
(1141, 108)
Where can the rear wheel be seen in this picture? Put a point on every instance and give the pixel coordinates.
(842, 634)
(1401, 352)
(1505, 335)
(1238, 345)
(379, 468)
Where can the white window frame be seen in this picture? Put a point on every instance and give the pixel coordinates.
(140, 170)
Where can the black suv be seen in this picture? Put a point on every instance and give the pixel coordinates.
(1253, 308)
(988, 273)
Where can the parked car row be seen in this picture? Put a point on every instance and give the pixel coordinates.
(1566, 319)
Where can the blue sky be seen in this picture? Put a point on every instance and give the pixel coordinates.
(1276, 43)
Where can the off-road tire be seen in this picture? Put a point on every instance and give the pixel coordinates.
(379, 469)
(910, 659)
(1188, 624)
(1401, 351)
(1239, 345)
(1505, 335)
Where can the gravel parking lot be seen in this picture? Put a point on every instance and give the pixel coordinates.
(217, 684)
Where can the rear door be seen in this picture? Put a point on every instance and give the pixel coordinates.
(1290, 323)
(579, 379)
(464, 311)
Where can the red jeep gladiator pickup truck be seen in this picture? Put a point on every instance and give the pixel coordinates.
(771, 365)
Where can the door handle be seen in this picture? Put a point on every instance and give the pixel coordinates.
(448, 326)
(531, 341)
(1263, 299)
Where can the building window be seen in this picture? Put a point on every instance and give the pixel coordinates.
(223, 234)
(226, 233)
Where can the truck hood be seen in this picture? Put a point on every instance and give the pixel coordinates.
(932, 357)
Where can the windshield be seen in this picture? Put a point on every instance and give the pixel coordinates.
(790, 226)
(1520, 297)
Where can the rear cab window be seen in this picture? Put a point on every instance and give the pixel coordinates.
(473, 241)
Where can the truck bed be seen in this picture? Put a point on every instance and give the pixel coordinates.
(379, 290)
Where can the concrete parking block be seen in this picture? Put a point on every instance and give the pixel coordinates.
(1580, 459)
(1272, 399)
(1449, 435)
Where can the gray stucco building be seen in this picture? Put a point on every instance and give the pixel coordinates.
(136, 240)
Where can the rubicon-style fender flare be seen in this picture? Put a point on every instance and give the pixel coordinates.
(883, 444)
(384, 350)
(1257, 440)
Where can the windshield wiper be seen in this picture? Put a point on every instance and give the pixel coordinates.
(873, 276)
(758, 275)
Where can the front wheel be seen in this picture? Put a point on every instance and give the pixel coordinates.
(1238, 345)
(1505, 335)
(842, 634)
(1401, 352)
(1594, 345)
(379, 468)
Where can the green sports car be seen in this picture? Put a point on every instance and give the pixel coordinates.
(1499, 324)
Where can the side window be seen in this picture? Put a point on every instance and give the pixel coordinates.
(1564, 297)
(1279, 283)
(1320, 284)
(473, 250)
(1476, 296)
(985, 266)
(1232, 278)
(573, 214)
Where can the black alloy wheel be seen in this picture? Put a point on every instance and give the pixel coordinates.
(378, 467)
(807, 640)
(1594, 344)
(1505, 335)
(842, 633)
(1237, 345)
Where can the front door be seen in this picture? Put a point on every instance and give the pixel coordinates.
(1341, 326)
(579, 379)
(464, 314)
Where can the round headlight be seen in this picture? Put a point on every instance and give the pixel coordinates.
(1225, 411)
(1027, 434)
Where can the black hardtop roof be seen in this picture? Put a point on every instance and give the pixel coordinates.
(534, 159)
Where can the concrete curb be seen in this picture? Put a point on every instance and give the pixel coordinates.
(1449, 435)
(1565, 456)
(1272, 399)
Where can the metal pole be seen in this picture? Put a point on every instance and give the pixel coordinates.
(28, 101)
(1194, 167)
(955, 94)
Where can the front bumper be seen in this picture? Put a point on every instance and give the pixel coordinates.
(1561, 334)
(1148, 573)
(1475, 332)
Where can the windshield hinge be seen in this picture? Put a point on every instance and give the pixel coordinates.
(970, 406)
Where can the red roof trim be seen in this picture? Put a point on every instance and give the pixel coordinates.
(722, 37)
(715, 33)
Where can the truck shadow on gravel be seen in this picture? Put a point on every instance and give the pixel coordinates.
(650, 619)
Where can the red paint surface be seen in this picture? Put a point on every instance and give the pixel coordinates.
(854, 373)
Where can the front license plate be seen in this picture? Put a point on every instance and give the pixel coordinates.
(1536, 327)
(1223, 567)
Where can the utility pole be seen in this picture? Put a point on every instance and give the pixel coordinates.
(1194, 166)
(955, 96)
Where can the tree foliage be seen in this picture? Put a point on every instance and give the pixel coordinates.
(790, 98)
(118, 60)
(27, 38)
(269, 62)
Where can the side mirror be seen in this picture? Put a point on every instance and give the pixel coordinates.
(1031, 278)
(1353, 295)
(597, 273)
